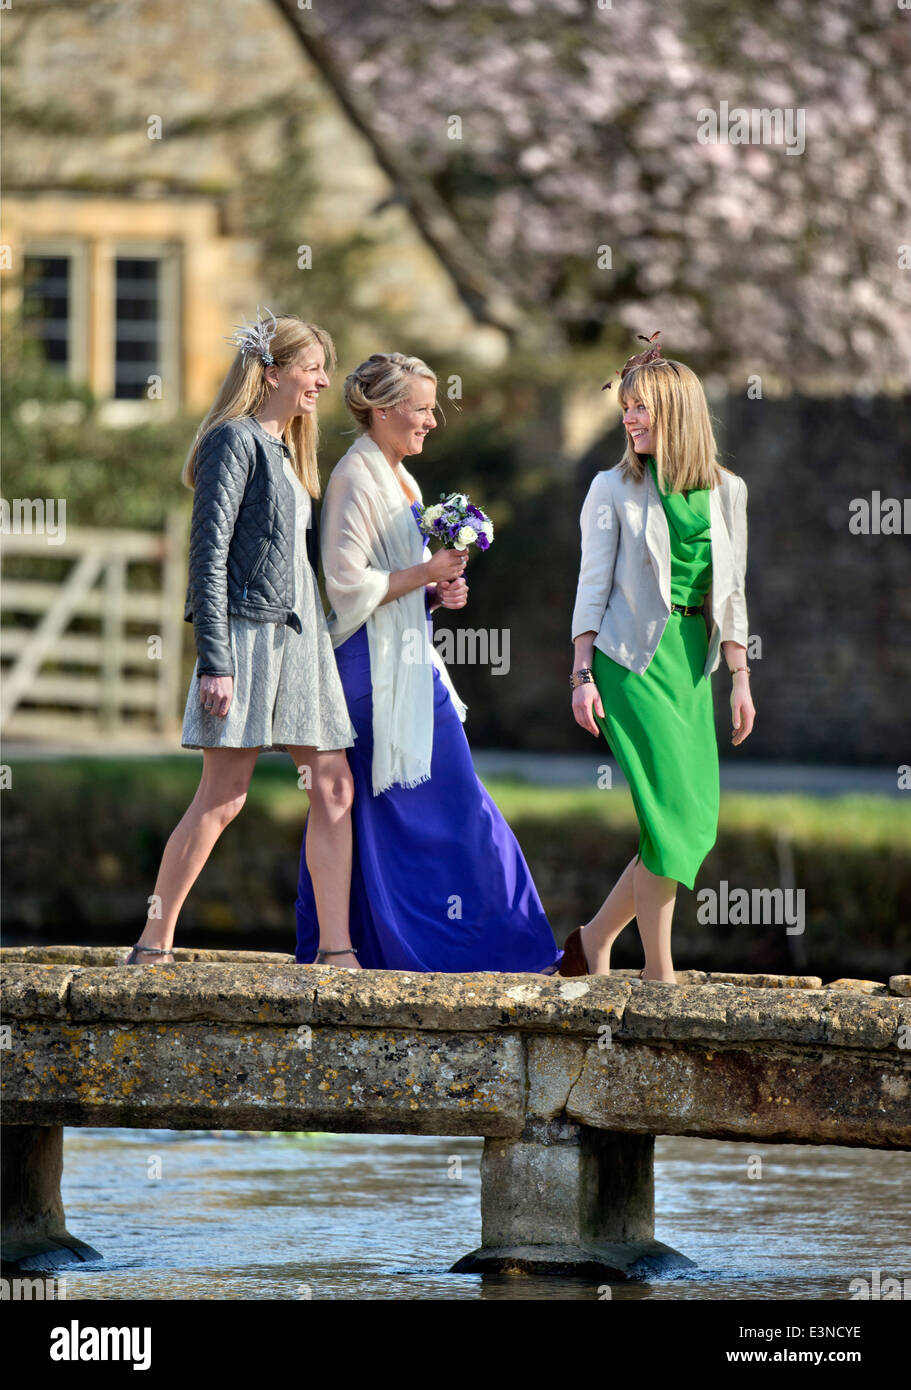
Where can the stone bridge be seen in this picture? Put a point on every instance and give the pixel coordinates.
(568, 1081)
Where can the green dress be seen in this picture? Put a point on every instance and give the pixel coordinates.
(660, 725)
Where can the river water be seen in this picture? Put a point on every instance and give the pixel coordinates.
(196, 1215)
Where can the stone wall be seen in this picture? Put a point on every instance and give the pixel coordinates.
(833, 609)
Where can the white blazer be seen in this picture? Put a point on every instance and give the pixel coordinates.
(624, 590)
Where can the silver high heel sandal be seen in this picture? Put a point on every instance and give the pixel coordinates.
(348, 951)
(152, 951)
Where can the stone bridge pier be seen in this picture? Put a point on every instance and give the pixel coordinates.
(565, 1198)
(567, 1081)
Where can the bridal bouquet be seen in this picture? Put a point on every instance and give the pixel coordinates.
(457, 522)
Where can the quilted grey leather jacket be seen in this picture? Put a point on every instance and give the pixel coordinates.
(241, 539)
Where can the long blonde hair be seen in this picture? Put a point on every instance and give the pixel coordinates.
(685, 452)
(245, 389)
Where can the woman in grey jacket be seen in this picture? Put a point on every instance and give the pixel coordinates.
(265, 675)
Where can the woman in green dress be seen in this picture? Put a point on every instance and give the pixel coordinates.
(660, 597)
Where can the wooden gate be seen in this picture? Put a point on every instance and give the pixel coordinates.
(129, 681)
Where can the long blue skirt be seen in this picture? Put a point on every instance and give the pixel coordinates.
(438, 879)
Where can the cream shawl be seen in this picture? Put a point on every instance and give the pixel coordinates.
(367, 531)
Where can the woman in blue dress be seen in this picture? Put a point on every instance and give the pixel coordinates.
(438, 880)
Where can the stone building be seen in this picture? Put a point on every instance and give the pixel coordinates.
(138, 136)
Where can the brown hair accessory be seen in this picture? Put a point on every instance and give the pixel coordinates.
(652, 353)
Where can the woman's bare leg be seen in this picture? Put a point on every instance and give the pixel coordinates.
(331, 790)
(616, 912)
(221, 793)
(655, 896)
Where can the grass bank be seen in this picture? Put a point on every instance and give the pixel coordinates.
(83, 838)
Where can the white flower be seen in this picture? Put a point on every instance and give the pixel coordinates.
(487, 528)
(466, 536)
(433, 513)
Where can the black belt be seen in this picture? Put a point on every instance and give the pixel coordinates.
(687, 612)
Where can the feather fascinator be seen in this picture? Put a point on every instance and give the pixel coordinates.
(255, 338)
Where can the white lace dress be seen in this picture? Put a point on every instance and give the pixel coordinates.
(287, 688)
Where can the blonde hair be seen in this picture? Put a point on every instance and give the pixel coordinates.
(380, 383)
(245, 389)
(685, 451)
